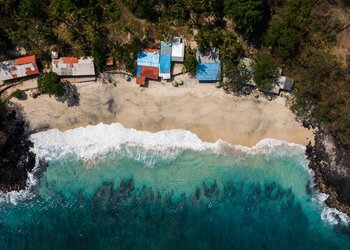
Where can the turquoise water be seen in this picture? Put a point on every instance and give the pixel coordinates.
(135, 197)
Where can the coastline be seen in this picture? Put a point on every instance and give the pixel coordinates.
(200, 108)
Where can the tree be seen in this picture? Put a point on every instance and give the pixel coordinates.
(19, 94)
(264, 68)
(99, 50)
(286, 33)
(250, 15)
(208, 37)
(51, 84)
(235, 79)
(190, 62)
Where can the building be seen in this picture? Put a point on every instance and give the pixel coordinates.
(147, 65)
(177, 50)
(208, 66)
(74, 67)
(165, 60)
(18, 68)
(286, 83)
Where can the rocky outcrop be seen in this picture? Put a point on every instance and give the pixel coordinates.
(330, 160)
(16, 160)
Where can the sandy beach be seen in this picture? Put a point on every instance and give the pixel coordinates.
(200, 108)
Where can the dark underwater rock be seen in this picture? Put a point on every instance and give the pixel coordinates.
(16, 160)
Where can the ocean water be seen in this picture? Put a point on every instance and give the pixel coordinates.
(108, 187)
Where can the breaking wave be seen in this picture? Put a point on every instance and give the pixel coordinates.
(93, 142)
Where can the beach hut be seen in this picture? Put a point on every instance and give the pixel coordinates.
(74, 67)
(177, 50)
(286, 83)
(18, 68)
(147, 65)
(208, 66)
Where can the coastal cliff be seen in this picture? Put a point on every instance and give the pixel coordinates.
(16, 160)
(330, 160)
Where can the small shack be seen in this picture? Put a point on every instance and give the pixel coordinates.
(165, 61)
(18, 68)
(208, 66)
(177, 50)
(74, 67)
(147, 65)
(286, 83)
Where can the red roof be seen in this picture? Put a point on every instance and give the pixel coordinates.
(69, 60)
(30, 72)
(109, 62)
(149, 72)
(151, 50)
(26, 59)
(140, 80)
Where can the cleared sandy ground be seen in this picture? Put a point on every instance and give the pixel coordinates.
(200, 108)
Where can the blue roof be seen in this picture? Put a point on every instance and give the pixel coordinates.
(165, 63)
(138, 70)
(148, 59)
(208, 69)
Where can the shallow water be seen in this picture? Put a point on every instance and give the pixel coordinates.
(167, 191)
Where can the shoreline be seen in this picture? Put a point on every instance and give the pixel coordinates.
(200, 108)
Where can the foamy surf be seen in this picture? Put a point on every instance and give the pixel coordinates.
(95, 141)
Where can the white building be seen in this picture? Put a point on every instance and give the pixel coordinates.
(72, 66)
(177, 50)
(18, 68)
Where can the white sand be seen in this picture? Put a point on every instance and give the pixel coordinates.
(200, 108)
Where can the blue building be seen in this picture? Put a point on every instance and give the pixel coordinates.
(165, 60)
(208, 66)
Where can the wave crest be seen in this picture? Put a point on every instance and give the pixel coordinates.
(92, 142)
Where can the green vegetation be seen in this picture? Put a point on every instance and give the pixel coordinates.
(51, 84)
(264, 68)
(19, 94)
(190, 62)
(250, 15)
(287, 32)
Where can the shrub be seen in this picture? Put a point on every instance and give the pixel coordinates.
(19, 94)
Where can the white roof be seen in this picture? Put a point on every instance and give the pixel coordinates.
(83, 67)
(12, 69)
(178, 47)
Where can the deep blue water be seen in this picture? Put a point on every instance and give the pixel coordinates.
(193, 200)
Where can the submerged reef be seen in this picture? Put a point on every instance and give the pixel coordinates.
(330, 160)
(16, 159)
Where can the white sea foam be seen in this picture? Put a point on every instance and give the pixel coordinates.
(96, 141)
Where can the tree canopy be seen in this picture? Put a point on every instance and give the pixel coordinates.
(190, 62)
(250, 15)
(51, 84)
(264, 68)
(287, 32)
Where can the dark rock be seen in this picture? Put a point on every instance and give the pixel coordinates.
(330, 160)
(16, 159)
